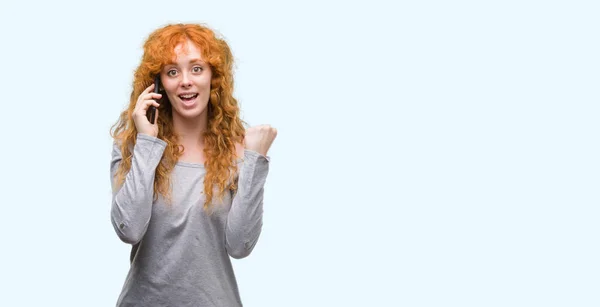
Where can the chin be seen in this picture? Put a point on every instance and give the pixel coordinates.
(191, 113)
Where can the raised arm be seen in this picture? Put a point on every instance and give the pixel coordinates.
(244, 222)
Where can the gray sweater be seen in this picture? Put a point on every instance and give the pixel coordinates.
(180, 254)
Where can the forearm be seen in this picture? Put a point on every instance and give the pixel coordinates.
(244, 221)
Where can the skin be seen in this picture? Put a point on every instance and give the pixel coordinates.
(189, 74)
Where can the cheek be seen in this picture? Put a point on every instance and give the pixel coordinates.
(169, 88)
(206, 83)
(172, 95)
(206, 80)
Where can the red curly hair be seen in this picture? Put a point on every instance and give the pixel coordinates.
(225, 128)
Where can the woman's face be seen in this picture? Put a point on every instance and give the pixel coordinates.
(186, 81)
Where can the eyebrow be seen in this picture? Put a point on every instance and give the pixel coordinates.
(191, 61)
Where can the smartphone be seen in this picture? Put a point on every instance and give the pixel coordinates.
(151, 114)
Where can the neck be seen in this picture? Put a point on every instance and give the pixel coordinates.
(190, 130)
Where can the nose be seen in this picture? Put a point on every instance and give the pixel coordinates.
(185, 80)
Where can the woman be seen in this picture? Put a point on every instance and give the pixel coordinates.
(187, 187)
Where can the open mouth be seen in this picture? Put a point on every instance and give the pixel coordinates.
(188, 97)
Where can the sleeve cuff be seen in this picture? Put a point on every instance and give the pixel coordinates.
(141, 136)
(255, 155)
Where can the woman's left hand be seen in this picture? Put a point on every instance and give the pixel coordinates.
(259, 138)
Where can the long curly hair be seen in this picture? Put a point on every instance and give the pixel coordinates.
(225, 127)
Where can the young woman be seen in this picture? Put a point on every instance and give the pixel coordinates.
(188, 186)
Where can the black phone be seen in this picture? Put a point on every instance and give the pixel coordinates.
(151, 114)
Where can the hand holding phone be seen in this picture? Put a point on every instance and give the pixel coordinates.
(152, 109)
(145, 112)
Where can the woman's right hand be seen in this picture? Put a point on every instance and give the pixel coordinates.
(145, 100)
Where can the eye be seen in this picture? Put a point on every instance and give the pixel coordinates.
(197, 69)
(172, 73)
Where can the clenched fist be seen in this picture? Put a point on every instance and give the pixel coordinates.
(260, 138)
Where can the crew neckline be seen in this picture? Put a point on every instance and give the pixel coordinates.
(189, 164)
(198, 165)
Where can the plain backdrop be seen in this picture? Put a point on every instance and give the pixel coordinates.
(430, 153)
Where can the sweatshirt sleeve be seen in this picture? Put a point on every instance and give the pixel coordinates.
(132, 201)
(244, 221)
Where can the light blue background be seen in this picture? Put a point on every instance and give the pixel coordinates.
(430, 153)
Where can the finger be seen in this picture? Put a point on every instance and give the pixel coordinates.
(148, 89)
(145, 92)
(150, 96)
(145, 105)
